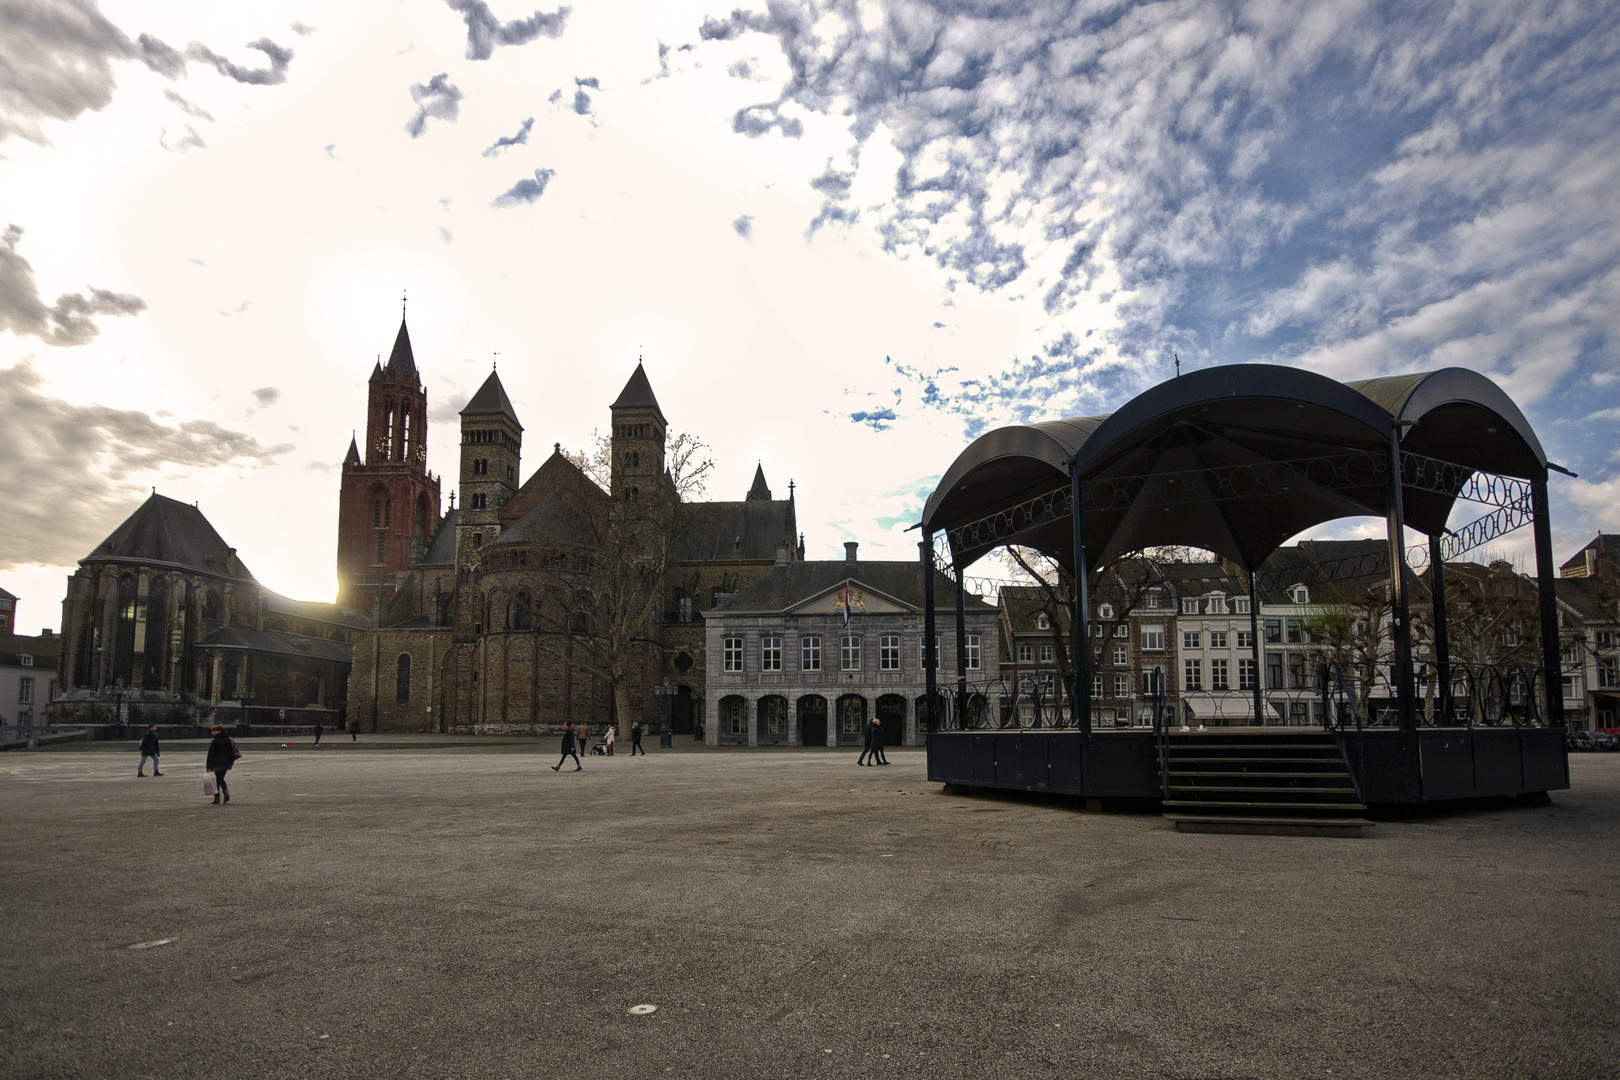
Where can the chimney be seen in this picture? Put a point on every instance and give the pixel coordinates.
(781, 555)
(849, 550)
(46, 632)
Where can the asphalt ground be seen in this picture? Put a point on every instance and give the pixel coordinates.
(465, 912)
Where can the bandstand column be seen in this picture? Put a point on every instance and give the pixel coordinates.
(929, 661)
(1400, 610)
(961, 642)
(1080, 621)
(1442, 638)
(1546, 575)
(1258, 683)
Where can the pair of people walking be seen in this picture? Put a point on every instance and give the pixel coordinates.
(874, 745)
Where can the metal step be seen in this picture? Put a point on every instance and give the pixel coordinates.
(1269, 826)
(1211, 804)
(1260, 790)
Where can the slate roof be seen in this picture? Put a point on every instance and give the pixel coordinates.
(793, 583)
(491, 398)
(6, 596)
(1022, 603)
(1590, 598)
(713, 531)
(376, 371)
(549, 522)
(165, 531)
(402, 361)
(638, 394)
(353, 456)
(441, 550)
(1604, 544)
(274, 641)
(316, 611)
(44, 650)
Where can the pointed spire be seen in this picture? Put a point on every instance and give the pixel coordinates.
(637, 393)
(402, 361)
(376, 371)
(761, 491)
(353, 456)
(491, 398)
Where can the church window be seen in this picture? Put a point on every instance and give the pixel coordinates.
(382, 546)
(523, 617)
(388, 512)
(376, 513)
(480, 466)
(511, 472)
(478, 540)
(402, 679)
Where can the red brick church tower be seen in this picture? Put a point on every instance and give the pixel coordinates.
(388, 504)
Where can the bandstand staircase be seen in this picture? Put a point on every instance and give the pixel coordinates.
(1273, 782)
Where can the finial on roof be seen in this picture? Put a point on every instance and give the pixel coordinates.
(556, 447)
(452, 500)
(403, 294)
(494, 361)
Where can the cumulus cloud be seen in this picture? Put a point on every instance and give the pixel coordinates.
(485, 31)
(59, 62)
(1357, 188)
(437, 98)
(101, 455)
(744, 226)
(186, 106)
(70, 321)
(506, 142)
(264, 397)
(526, 191)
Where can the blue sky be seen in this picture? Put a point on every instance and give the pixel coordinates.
(847, 237)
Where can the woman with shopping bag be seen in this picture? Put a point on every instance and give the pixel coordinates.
(222, 754)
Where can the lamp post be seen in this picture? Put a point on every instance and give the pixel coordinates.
(666, 734)
(118, 710)
(242, 724)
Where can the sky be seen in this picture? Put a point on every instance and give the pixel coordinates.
(846, 238)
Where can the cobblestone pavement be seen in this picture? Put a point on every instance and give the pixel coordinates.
(458, 913)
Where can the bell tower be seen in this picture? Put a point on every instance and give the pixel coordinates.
(637, 442)
(388, 502)
(491, 449)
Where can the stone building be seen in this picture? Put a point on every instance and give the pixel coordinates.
(163, 623)
(8, 613)
(469, 640)
(27, 678)
(787, 667)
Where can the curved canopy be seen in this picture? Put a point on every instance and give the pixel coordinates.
(1234, 459)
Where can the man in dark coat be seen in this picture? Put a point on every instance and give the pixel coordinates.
(570, 747)
(635, 740)
(222, 754)
(866, 747)
(874, 744)
(149, 749)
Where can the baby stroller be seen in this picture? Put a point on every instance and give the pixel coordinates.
(600, 748)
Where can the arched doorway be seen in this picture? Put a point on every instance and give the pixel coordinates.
(813, 720)
(773, 725)
(891, 714)
(851, 720)
(733, 721)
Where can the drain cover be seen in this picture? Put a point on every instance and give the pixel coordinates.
(642, 1010)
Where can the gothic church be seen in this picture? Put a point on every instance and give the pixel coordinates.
(456, 645)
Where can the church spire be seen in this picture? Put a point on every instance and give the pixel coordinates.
(760, 491)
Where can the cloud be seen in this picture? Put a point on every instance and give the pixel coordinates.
(744, 226)
(237, 310)
(186, 106)
(507, 141)
(485, 31)
(67, 322)
(273, 75)
(438, 98)
(526, 191)
(189, 141)
(301, 30)
(98, 453)
(445, 235)
(58, 58)
(263, 398)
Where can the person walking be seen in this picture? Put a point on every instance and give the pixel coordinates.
(570, 746)
(875, 743)
(607, 741)
(866, 747)
(635, 740)
(222, 754)
(149, 749)
(319, 727)
(354, 730)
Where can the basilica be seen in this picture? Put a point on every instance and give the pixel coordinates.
(461, 640)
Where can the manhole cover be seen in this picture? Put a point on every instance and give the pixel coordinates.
(642, 1010)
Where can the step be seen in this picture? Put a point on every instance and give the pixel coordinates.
(1212, 804)
(1320, 775)
(1258, 789)
(1269, 826)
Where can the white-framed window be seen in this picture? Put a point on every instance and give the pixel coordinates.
(1189, 607)
(1217, 675)
(1105, 611)
(1217, 639)
(1192, 675)
(1122, 684)
(1301, 595)
(1152, 637)
(1042, 622)
(849, 652)
(1153, 680)
(1217, 604)
(1152, 600)
(1096, 686)
(1245, 639)
(25, 659)
(1122, 655)
(770, 653)
(889, 652)
(1026, 653)
(810, 652)
(972, 652)
(1122, 631)
(1190, 639)
(1246, 673)
(1046, 654)
(25, 690)
(732, 657)
(1241, 605)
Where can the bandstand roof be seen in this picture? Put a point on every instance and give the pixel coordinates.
(1235, 460)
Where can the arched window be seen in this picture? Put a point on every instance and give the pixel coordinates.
(402, 679)
(523, 615)
(124, 638)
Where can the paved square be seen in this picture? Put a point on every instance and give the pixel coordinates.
(466, 912)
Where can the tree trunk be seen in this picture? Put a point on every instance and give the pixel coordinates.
(621, 706)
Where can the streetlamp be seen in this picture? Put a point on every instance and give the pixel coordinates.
(242, 724)
(118, 709)
(666, 734)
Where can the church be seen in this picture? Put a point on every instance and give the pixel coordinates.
(472, 630)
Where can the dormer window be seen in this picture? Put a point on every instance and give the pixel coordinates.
(1189, 607)
(1105, 611)
(1217, 604)
(1241, 605)
(1152, 600)
(1300, 594)
(1042, 622)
